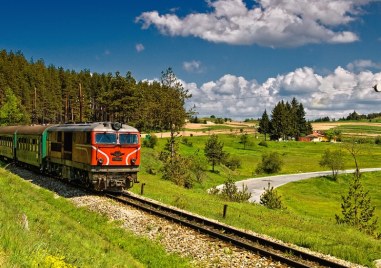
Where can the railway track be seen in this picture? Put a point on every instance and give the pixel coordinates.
(266, 248)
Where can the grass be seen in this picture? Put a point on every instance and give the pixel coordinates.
(58, 234)
(307, 225)
(320, 199)
(85, 239)
(358, 129)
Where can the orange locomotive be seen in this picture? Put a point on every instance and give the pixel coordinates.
(103, 156)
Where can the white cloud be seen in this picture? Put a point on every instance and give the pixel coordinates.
(360, 65)
(192, 66)
(274, 23)
(139, 47)
(334, 95)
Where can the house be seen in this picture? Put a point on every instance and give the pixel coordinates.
(316, 136)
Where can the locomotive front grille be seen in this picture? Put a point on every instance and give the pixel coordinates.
(113, 181)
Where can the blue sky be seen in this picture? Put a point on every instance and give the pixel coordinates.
(237, 57)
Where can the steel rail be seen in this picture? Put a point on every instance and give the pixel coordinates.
(256, 244)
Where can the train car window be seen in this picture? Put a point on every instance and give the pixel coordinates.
(88, 137)
(105, 138)
(56, 147)
(128, 139)
(68, 141)
(59, 137)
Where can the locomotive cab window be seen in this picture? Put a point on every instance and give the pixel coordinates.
(128, 139)
(105, 138)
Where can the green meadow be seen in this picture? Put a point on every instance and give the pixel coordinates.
(311, 205)
(61, 234)
(40, 229)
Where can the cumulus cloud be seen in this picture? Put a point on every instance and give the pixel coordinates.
(360, 65)
(334, 95)
(139, 47)
(192, 66)
(274, 23)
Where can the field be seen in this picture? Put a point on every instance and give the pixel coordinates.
(348, 128)
(309, 219)
(352, 128)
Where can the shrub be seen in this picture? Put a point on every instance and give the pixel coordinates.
(230, 192)
(271, 163)
(214, 191)
(263, 143)
(186, 142)
(377, 140)
(151, 141)
(181, 202)
(151, 170)
(232, 162)
(177, 170)
(198, 165)
(271, 199)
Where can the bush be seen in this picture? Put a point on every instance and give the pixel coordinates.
(263, 143)
(198, 165)
(150, 141)
(230, 192)
(377, 140)
(177, 170)
(186, 142)
(151, 170)
(271, 163)
(271, 199)
(232, 162)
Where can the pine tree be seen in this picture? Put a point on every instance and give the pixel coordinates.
(270, 198)
(264, 124)
(214, 151)
(278, 122)
(356, 208)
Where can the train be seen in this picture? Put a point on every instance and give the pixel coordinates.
(102, 156)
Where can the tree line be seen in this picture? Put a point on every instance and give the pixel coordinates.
(354, 116)
(31, 92)
(287, 121)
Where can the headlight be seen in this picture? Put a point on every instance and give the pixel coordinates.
(100, 161)
(133, 161)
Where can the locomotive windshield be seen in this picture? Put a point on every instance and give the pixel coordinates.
(128, 139)
(105, 138)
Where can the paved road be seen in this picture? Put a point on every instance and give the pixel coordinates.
(256, 185)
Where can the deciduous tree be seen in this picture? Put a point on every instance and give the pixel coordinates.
(11, 110)
(334, 160)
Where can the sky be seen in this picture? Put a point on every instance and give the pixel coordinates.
(236, 57)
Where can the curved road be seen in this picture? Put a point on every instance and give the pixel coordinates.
(257, 185)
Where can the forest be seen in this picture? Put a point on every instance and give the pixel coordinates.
(33, 93)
